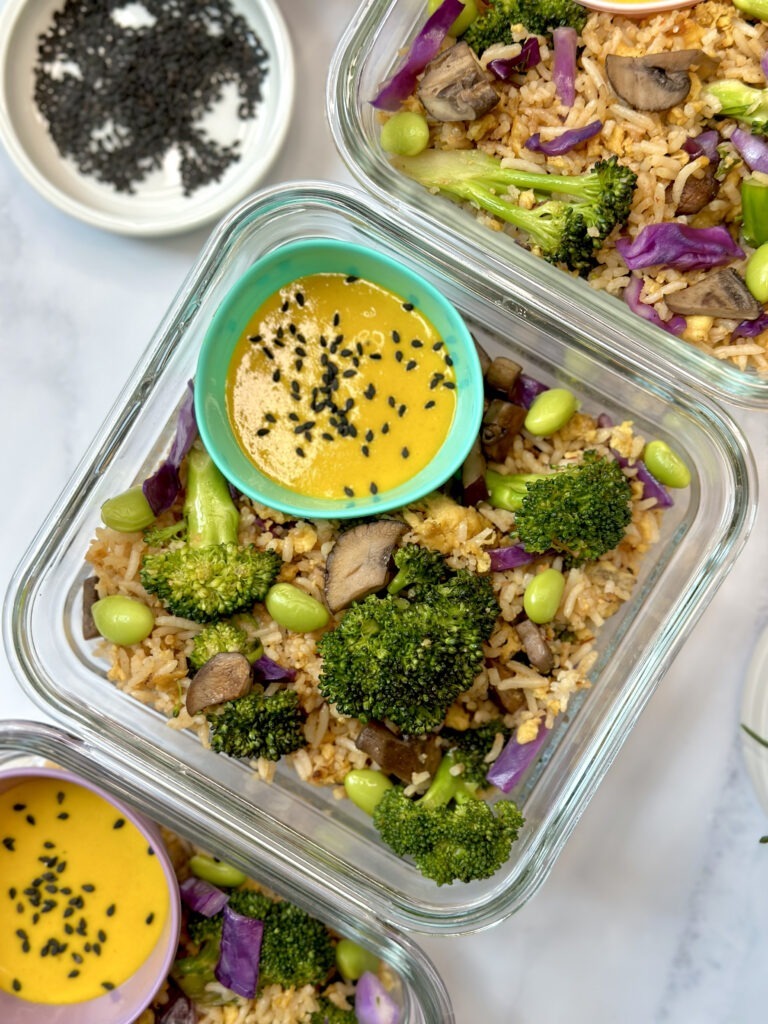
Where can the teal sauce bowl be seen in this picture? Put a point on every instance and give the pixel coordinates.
(262, 280)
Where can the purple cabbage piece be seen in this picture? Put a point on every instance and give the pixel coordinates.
(202, 897)
(423, 49)
(651, 486)
(565, 142)
(679, 246)
(508, 768)
(525, 390)
(564, 42)
(269, 670)
(529, 57)
(675, 325)
(373, 1004)
(179, 1009)
(162, 488)
(750, 328)
(604, 420)
(752, 149)
(704, 144)
(238, 966)
(510, 557)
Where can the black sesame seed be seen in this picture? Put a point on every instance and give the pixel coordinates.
(254, 338)
(350, 279)
(268, 352)
(61, 866)
(278, 343)
(396, 337)
(291, 327)
(300, 452)
(279, 332)
(411, 364)
(449, 385)
(31, 819)
(336, 319)
(8, 843)
(391, 401)
(88, 887)
(326, 437)
(63, 816)
(448, 361)
(76, 957)
(19, 908)
(107, 985)
(12, 892)
(270, 417)
(276, 375)
(349, 373)
(405, 453)
(437, 346)
(430, 404)
(150, 918)
(19, 807)
(401, 410)
(74, 973)
(48, 845)
(299, 298)
(369, 435)
(69, 929)
(375, 355)
(285, 306)
(101, 935)
(408, 307)
(300, 351)
(399, 356)
(385, 428)
(365, 450)
(416, 343)
(16, 985)
(68, 912)
(262, 432)
(349, 492)
(373, 488)
(111, 910)
(96, 948)
(298, 365)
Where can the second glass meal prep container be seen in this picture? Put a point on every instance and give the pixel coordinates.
(370, 51)
(303, 832)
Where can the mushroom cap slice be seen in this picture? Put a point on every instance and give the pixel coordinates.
(502, 422)
(722, 293)
(535, 646)
(456, 87)
(358, 563)
(225, 676)
(396, 756)
(655, 81)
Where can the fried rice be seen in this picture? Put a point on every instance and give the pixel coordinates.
(651, 144)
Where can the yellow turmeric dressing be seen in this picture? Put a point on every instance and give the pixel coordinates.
(83, 897)
(339, 388)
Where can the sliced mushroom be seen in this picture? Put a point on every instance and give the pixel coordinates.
(396, 756)
(359, 562)
(456, 87)
(502, 375)
(510, 700)
(656, 81)
(474, 487)
(697, 192)
(722, 293)
(225, 676)
(502, 422)
(535, 646)
(90, 596)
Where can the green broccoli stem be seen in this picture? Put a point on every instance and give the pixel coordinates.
(753, 8)
(211, 514)
(542, 223)
(447, 787)
(754, 211)
(737, 99)
(508, 490)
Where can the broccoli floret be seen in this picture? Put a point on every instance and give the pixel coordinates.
(406, 658)
(540, 17)
(469, 748)
(581, 510)
(193, 974)
(221, 637)
(210, 576)
(745, 103)
(450, 833)
(330, 1013)
(258, 726)
(416, 564)
(568, 230)
(159, 536)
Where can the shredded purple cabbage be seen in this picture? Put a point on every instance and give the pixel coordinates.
(202, 897)
(267, 669)
(704, 144)
(526, 389)
(162, 488)
(565, 142)
(752, 149)
(373, 1004)
(651, 486)
(750, 328)
(510, 557)
(508, 768)
(680, 246)
(675, 325)
(564, 43)
(423, 48)
(238, 966)
(529, 57)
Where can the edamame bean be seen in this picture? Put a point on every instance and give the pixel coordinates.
(365, 787)
(543, 595)
(550, 411)
(295, 609)
(215, 871)
(666, 465)
(353, 960)
(756, 273)
(122, 620)
(464, 20)
(127, 512)
(405, 134)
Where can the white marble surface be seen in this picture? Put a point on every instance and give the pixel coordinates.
(657, 910)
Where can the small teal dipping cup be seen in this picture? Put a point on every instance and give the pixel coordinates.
(262, 280)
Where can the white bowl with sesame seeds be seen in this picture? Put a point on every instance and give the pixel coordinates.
(92, 897)
(144, 124)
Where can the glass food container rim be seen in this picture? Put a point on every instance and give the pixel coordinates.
(426, 999)
(372, 171)
(276, 841)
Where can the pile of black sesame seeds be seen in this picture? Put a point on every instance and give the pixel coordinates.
(118, 97)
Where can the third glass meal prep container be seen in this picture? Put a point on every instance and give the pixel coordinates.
(369, 52)
(303, 829)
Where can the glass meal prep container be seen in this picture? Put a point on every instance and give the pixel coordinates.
(370, 51)
(419, 991)
(304, 830)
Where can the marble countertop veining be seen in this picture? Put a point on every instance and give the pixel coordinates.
(656, 912)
